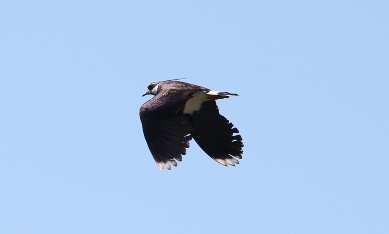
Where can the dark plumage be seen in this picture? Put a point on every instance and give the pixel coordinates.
(181, 111)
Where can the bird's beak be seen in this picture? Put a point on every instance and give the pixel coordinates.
(148, 92)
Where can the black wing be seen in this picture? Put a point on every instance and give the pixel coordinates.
(166, 129)
(216, 135)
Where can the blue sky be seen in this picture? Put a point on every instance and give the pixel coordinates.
(313, 80)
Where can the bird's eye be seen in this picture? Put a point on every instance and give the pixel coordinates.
(150, 87)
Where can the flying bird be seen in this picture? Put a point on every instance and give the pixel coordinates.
(181, 111)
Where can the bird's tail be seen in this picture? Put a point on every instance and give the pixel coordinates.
(214, 95)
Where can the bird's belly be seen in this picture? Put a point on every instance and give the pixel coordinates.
(194, 103)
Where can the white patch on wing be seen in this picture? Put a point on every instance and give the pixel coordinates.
(194, 103)
(160, 165)
(231, 161)
(221, 161)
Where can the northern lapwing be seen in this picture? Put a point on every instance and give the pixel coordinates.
(181, 111)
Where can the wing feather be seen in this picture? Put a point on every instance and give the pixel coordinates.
(166, 129)
(216, 135)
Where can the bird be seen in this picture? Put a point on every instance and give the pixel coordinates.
(180, 111)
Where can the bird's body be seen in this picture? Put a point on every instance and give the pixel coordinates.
(181, 111)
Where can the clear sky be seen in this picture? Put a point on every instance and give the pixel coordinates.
(313, 110)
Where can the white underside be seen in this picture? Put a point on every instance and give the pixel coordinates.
(194, 103)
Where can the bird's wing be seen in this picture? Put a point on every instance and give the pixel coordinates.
(216, 135)
(166, 129)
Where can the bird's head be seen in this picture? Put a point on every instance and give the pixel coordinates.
(156, 87)
(153, 89)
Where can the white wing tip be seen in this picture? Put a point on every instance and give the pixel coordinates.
(167, 164)
(227, 161)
